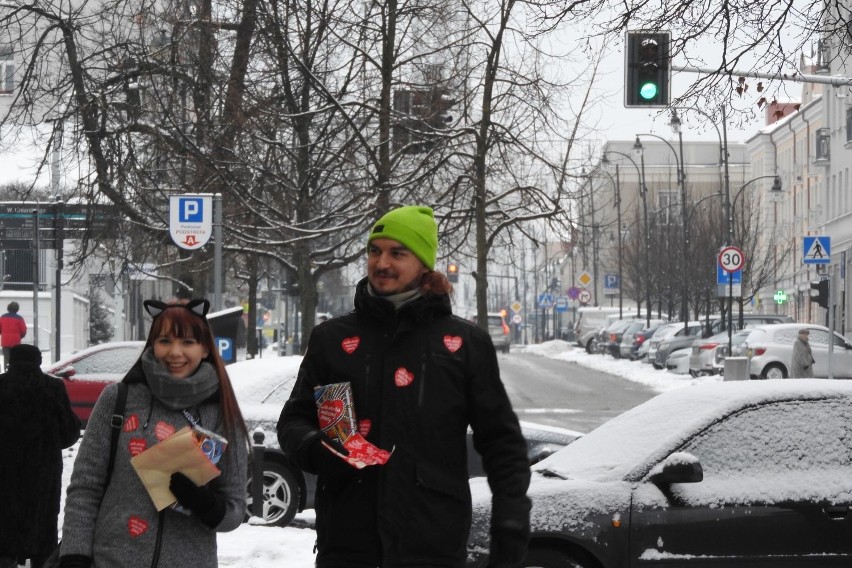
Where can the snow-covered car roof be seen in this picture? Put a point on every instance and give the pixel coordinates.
(623, 447)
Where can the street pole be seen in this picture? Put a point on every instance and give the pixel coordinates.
(618, 210)
(681, 179)
(643, 191)
(730, 220)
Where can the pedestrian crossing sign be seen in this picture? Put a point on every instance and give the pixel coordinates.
(817, 250)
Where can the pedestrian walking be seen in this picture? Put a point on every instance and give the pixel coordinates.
(36, 423)
(179, 380)
(802, 366)
(419, 377)
(13, 329)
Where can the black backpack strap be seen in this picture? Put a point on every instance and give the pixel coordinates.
(116, 422)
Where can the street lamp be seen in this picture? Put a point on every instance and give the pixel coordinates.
(643, 190)
(675, 125)
(681, 180)
(617, 185)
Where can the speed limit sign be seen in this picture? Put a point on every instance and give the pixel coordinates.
(731, 259)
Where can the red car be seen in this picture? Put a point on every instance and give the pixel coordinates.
(87, 372)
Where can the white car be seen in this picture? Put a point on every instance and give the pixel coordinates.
(770, 349)
(678, 361)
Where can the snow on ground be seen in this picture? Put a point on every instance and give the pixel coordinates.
(269, 547)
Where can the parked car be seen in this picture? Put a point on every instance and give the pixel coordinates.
(770, 348)
(678, 361)
(717, 474)
(612, 337)
(262, 386)
(589, 320)
(738, 339)
(499, 331)
(683, 337)
(635, 335)
(702, 359)
(87, 372)
(663, 332)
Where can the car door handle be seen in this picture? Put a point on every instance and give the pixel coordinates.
(837, 512)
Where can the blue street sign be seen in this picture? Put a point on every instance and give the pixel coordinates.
(545, 301)
(817, 250)
(611, 281)
(724, 277)
(562, 304)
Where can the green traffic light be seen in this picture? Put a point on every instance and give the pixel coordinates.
(648, 91)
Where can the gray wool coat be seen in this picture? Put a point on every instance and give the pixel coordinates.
(802, 366)
(118, 527)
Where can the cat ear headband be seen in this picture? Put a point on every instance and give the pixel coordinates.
(199, 307)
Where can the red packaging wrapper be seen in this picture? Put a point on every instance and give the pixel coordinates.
(336, 414)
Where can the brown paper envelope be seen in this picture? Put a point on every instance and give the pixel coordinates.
(179, 452)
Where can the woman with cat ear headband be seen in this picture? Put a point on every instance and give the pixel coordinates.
(179, 380)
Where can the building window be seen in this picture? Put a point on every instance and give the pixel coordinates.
(849, 124)
(822, 145)
(7, 69)
(669, 207)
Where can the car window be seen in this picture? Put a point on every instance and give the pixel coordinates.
(110, 361)
(495, 321)
(777, 438)
(819, 337)
(783, 336)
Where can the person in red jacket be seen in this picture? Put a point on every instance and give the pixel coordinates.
(13, 328)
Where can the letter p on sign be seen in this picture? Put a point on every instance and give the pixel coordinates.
(191, 210)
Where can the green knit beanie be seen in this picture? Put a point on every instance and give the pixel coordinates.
(412, 226)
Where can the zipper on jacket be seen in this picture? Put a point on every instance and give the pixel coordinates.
(422, 379)
(155, 561)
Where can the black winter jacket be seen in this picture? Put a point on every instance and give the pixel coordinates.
(419, 377)
(36, 423)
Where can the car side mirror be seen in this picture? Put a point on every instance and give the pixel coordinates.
(65, 372)
(543, 453)
(680, 467)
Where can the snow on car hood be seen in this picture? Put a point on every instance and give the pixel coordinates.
(646, 434)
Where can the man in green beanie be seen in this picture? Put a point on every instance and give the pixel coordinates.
(419, 377)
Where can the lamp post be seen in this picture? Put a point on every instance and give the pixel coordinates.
(643, 190)
(775, 190)
(617, 185)
(723, 143)
(681, 180)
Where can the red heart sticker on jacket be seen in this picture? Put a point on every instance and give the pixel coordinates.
(403, 377)
(452, 342)
(137, 446)
(350, 344)
(136, 526)
(329, 413)
(163, 430)
(131, 424)
(364, 426)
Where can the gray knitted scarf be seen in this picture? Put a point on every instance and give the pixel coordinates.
(398, 300)
(177, 394)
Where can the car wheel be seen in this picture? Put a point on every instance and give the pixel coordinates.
(553, 557)
(774, 371)
(506, 348)
(590, 347)
(281, 494)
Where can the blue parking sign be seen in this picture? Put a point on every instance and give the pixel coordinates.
(190, 209)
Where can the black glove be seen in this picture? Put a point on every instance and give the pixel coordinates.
(75, 561)
(508, 548)
(205, 503)
(322, 459)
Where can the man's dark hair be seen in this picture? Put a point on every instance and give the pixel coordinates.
(13, 307)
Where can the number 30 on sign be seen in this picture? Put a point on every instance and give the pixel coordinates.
(731, 259)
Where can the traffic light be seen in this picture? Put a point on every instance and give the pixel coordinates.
(819, 293)
(453, 272)
(647, 69)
